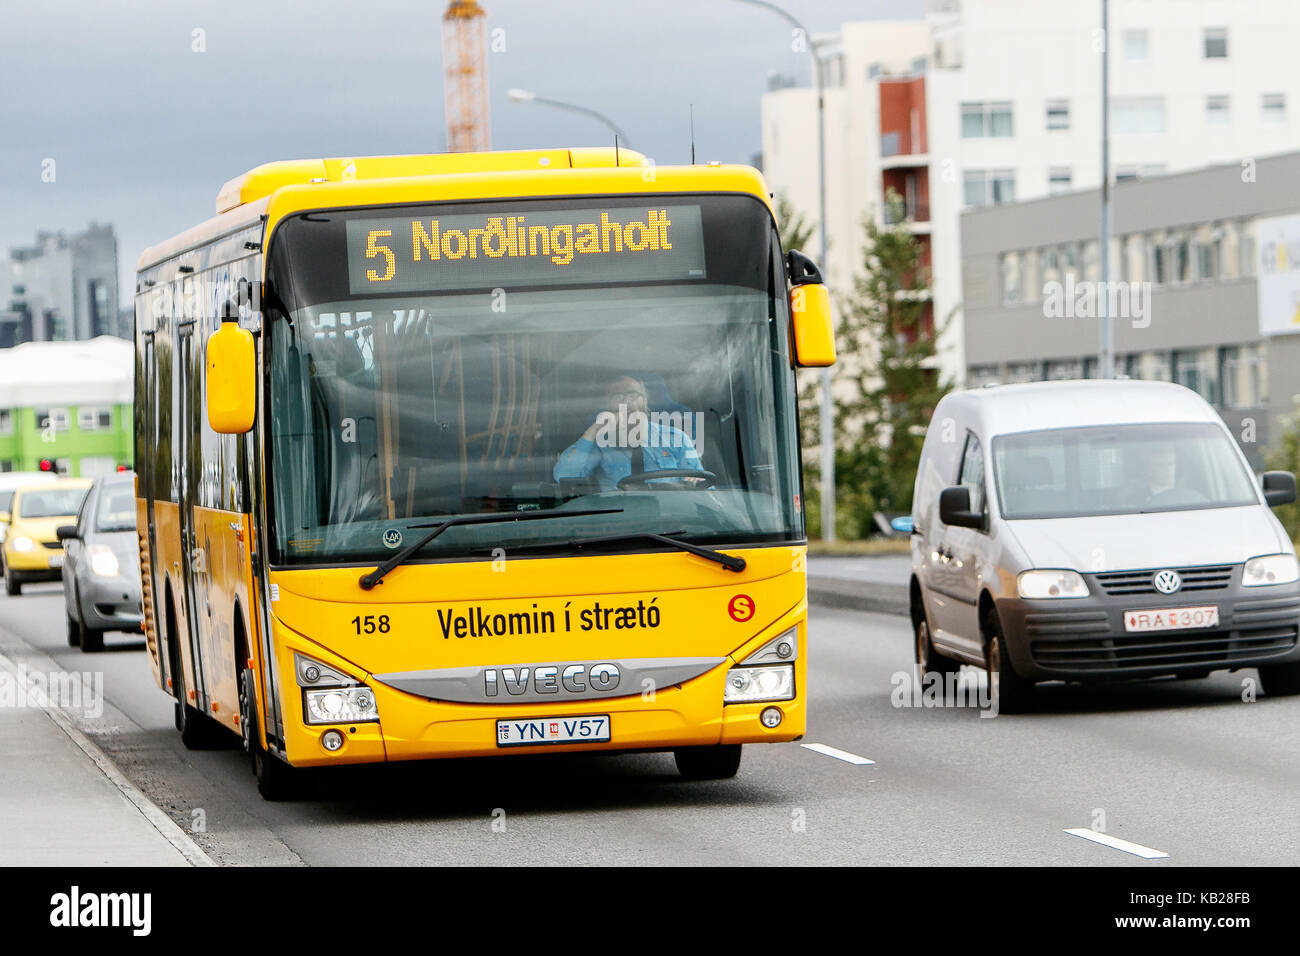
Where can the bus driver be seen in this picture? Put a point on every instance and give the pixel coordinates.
(625, 439)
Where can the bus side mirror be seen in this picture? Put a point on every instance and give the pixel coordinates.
(232, 379)
(810, 307)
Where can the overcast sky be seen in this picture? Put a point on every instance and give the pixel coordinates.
(143, 130)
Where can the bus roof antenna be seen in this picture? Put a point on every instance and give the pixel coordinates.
(692, 134)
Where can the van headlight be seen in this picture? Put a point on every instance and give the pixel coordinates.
(1271, 569)
(1037, 585)
(746, 685)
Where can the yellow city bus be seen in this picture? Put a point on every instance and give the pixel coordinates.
(476, 454)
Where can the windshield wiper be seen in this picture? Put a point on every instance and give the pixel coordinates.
(372, 578)
(728, 561)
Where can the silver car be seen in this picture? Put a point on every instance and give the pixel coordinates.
(101, 570)
(1102, 529)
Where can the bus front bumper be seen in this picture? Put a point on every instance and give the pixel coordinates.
(410, 727)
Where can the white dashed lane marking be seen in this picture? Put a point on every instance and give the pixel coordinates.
(839, 755)
(1115, 843)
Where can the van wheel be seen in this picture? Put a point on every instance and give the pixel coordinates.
(719, 762)
(1012, 693)
(276, 780)
(74, 632)
(1280, 680)
(92, 639)
(928, 660)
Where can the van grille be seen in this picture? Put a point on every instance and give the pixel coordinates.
(1142, 582)
(1171, 650)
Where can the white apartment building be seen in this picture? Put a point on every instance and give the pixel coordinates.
(1013, 109)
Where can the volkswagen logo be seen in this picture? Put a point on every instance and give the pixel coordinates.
(1167, 582)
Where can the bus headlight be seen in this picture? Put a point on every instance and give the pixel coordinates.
(340, 705)
(1037, 585)
(24, 543)
(103, 561)
(1270, 569)
(749, 684)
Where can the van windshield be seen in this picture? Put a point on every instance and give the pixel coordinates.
(1119, 469)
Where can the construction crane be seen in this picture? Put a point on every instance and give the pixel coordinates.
(464, 56)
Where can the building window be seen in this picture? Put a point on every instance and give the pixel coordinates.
(1246, 245)
(978, 375)
(1137, 115)
(1216, 43)
(1010, 269)
(1091, 260)
(1149, 366)
(979, 120)
(1245, 377)
(1059, 179)
(1274, 107)
(1023, 372)
(6, 465)
(1058, 114)
(96, 466)
(985, 186)
(1180, 258)
(1209, 252)
(63, 467)
(1135, 45)
(1134, 258)
(1198, 369)
(1217, 112)
(1029, 285)
(6, 421)
(1064, 370)
(56, 418)
(91, 419)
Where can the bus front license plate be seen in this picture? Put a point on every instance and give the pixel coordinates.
(553, 730)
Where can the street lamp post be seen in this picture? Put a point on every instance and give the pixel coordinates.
(826, 422)
(1106, 360)
(527, 96)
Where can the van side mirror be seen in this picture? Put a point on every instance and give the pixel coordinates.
(232, 379)
(1279, 488)
(810, 308)
(66, 532)
(954, 509)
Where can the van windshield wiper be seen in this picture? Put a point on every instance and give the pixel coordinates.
(728, 561)
(370, 579)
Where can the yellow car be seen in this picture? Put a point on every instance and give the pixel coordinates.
(32, 549)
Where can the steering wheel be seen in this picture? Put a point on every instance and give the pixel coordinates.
(704, 479)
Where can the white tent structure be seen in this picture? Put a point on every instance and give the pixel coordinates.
(98, 371)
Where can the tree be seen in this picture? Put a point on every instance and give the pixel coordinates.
(886, 364)
(1285, 456)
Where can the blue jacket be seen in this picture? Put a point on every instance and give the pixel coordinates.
(668, 447)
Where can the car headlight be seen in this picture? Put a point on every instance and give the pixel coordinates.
(103, 561)
(1037, 585)
(1271, 569)
(24, 543)
(340, 705)
(749, 684)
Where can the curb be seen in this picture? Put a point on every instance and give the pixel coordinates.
(846, 594)
(168, 829)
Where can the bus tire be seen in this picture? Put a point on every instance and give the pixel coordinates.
(1280, 680)
(718, 762)
(276, 780)
(13, 587)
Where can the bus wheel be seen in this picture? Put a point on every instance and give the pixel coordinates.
(13, 587)
(719, 762)
(198, 730)
(276, 780)
(74, 632)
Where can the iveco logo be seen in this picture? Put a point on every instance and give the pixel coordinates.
(1167, 582)
(549, 678)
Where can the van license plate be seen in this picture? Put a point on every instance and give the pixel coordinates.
(553, 730)
(1171, 619)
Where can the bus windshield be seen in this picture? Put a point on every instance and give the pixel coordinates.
(534, 391)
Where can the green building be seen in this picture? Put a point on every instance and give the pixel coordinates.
(68, 402)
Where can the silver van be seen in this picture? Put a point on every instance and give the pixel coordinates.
(1098, 529)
